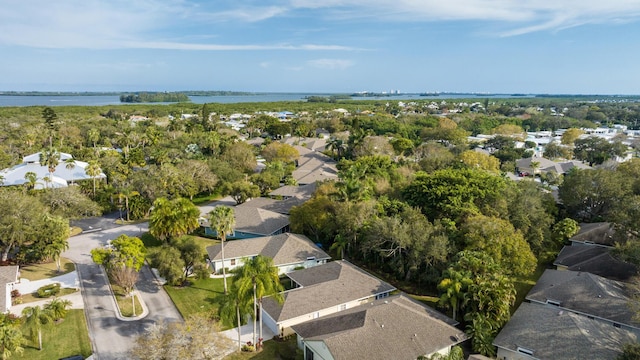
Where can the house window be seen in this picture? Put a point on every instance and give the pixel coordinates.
(316, 315)
(616, 325)
(382, 296)
(308, 353)
(342, 307)
(233, 262)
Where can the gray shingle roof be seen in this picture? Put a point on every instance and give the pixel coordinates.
(600, 233)
(325, 286)
(314, 166)
(585, 293)
(558, 335)
(595, 260)
(255, 220)
(283, 249)
(304, 191)
(8, 274)
(391, 328)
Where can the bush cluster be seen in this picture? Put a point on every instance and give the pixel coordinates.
(49, 290)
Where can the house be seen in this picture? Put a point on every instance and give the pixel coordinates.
(600, 233)
(67, 171)
(289, 191)
(540, 165)
(586, 294)
(313, 166)
(288, 251)
(545, 332)
(8, 278)
(393, 328)
(252, 220)
(596, 260)
(320, 291)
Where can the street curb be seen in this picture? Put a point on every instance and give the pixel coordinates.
(145, 310)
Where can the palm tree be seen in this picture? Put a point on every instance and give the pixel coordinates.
(50, 158)
(257, 278)
(35, 318)
(94, 135)
(70, 164)
(172, 218)
(58, 308)
(10, 340)
(454, 287)
(125, 194)
(222, 220)
(31, 178)
(234, 309)
(93, 170)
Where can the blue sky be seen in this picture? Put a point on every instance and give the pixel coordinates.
(524, 46)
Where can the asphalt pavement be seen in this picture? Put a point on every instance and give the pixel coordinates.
(112, 338)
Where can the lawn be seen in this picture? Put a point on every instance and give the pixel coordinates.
(201, 296)
(273, 349)
(28, 298)
(524, 285)
(67, 338)
(34, 272)
(124, 302)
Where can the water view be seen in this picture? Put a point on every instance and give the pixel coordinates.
(101, 100)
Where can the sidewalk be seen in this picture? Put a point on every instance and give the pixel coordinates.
(247, 333)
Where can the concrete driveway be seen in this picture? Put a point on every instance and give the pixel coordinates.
(113, 338)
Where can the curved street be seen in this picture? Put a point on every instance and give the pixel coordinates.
(112, 338)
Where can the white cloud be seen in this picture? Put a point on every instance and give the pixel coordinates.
(332, 64)
(190, 24)
(522, 16)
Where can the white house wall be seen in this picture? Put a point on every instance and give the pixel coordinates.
(285, 326)
(217, 265)
(7, 299)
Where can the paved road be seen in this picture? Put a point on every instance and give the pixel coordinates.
(113, 338)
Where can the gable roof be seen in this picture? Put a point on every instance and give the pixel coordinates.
(250, 216)
(324, 286)
(8, 274)
(600, 233)
(391, 328)
(595, 260)
(305, 191)
(554, 334)
(585, 293)
(314, 166)
(282, 248)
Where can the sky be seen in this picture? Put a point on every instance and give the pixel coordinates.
(322, 46)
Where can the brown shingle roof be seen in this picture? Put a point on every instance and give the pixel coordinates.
(282, 248)
(326, 285)
(391, 328)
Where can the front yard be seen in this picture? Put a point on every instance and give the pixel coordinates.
(60, 340)
(201, 296)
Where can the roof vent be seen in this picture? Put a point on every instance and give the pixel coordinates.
(382, 326)
(560, 312)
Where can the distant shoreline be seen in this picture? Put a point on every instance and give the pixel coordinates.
(247, 93)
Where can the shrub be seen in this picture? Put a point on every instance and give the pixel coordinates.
(49, 290)
(15, 293)
(248, 348)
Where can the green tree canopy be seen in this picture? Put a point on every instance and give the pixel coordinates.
(172, 218)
